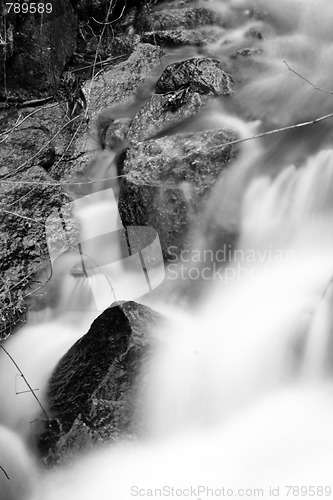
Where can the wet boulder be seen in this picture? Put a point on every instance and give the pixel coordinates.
(173, 174)
(162, 112)
(175, 154)
(92, 395)
(199, 74)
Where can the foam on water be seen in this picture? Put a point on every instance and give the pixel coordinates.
(18, 471)
(273, 444)
(36, 349)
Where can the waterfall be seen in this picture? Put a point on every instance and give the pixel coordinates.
(238, 398)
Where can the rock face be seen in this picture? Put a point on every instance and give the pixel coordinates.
(30, 157)
(92, 393)
(119, 84)
(199, 74)
(37, 47)
(148, 90)
(174, 173)
(171, 18)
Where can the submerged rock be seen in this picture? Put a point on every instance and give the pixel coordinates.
(92, 393)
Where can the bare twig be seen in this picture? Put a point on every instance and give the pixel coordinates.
(24, 196)
(67, 147)
(26, 381)
(35, 102)
(5, 473)
(160, 135)
(114, 20)
(28, 116)
(42, 284)
(308, 81)
(20, 167)
(30, 219)
(64, 183)
(18, 283)
(20, 103)
(276, 131)
(102, 63)
(148, 4)
(96, 54)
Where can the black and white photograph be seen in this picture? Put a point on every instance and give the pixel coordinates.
(166, 249)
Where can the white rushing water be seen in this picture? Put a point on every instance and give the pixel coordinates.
(238, 400)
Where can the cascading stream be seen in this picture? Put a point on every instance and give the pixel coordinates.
(240, 393)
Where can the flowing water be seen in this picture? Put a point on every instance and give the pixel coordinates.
(238, 400)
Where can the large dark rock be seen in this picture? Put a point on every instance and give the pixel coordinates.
(174, 171)
(174, 175)
(37, 48)
(92, 394)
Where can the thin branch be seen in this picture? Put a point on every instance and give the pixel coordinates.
(30, 219)
(28, 116)
(5, 473)
(67, 147)
(96, 56)
(276, 131)
(153, 30)
(79, 155)
(160, 135)
(35, 102)
(114, 20)
(7, 289)
(102, 63)
(26, 381)
(308, 81)
(20, 103)
(24, 196)
(20, 167)
(64, 183)
(42, 284)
